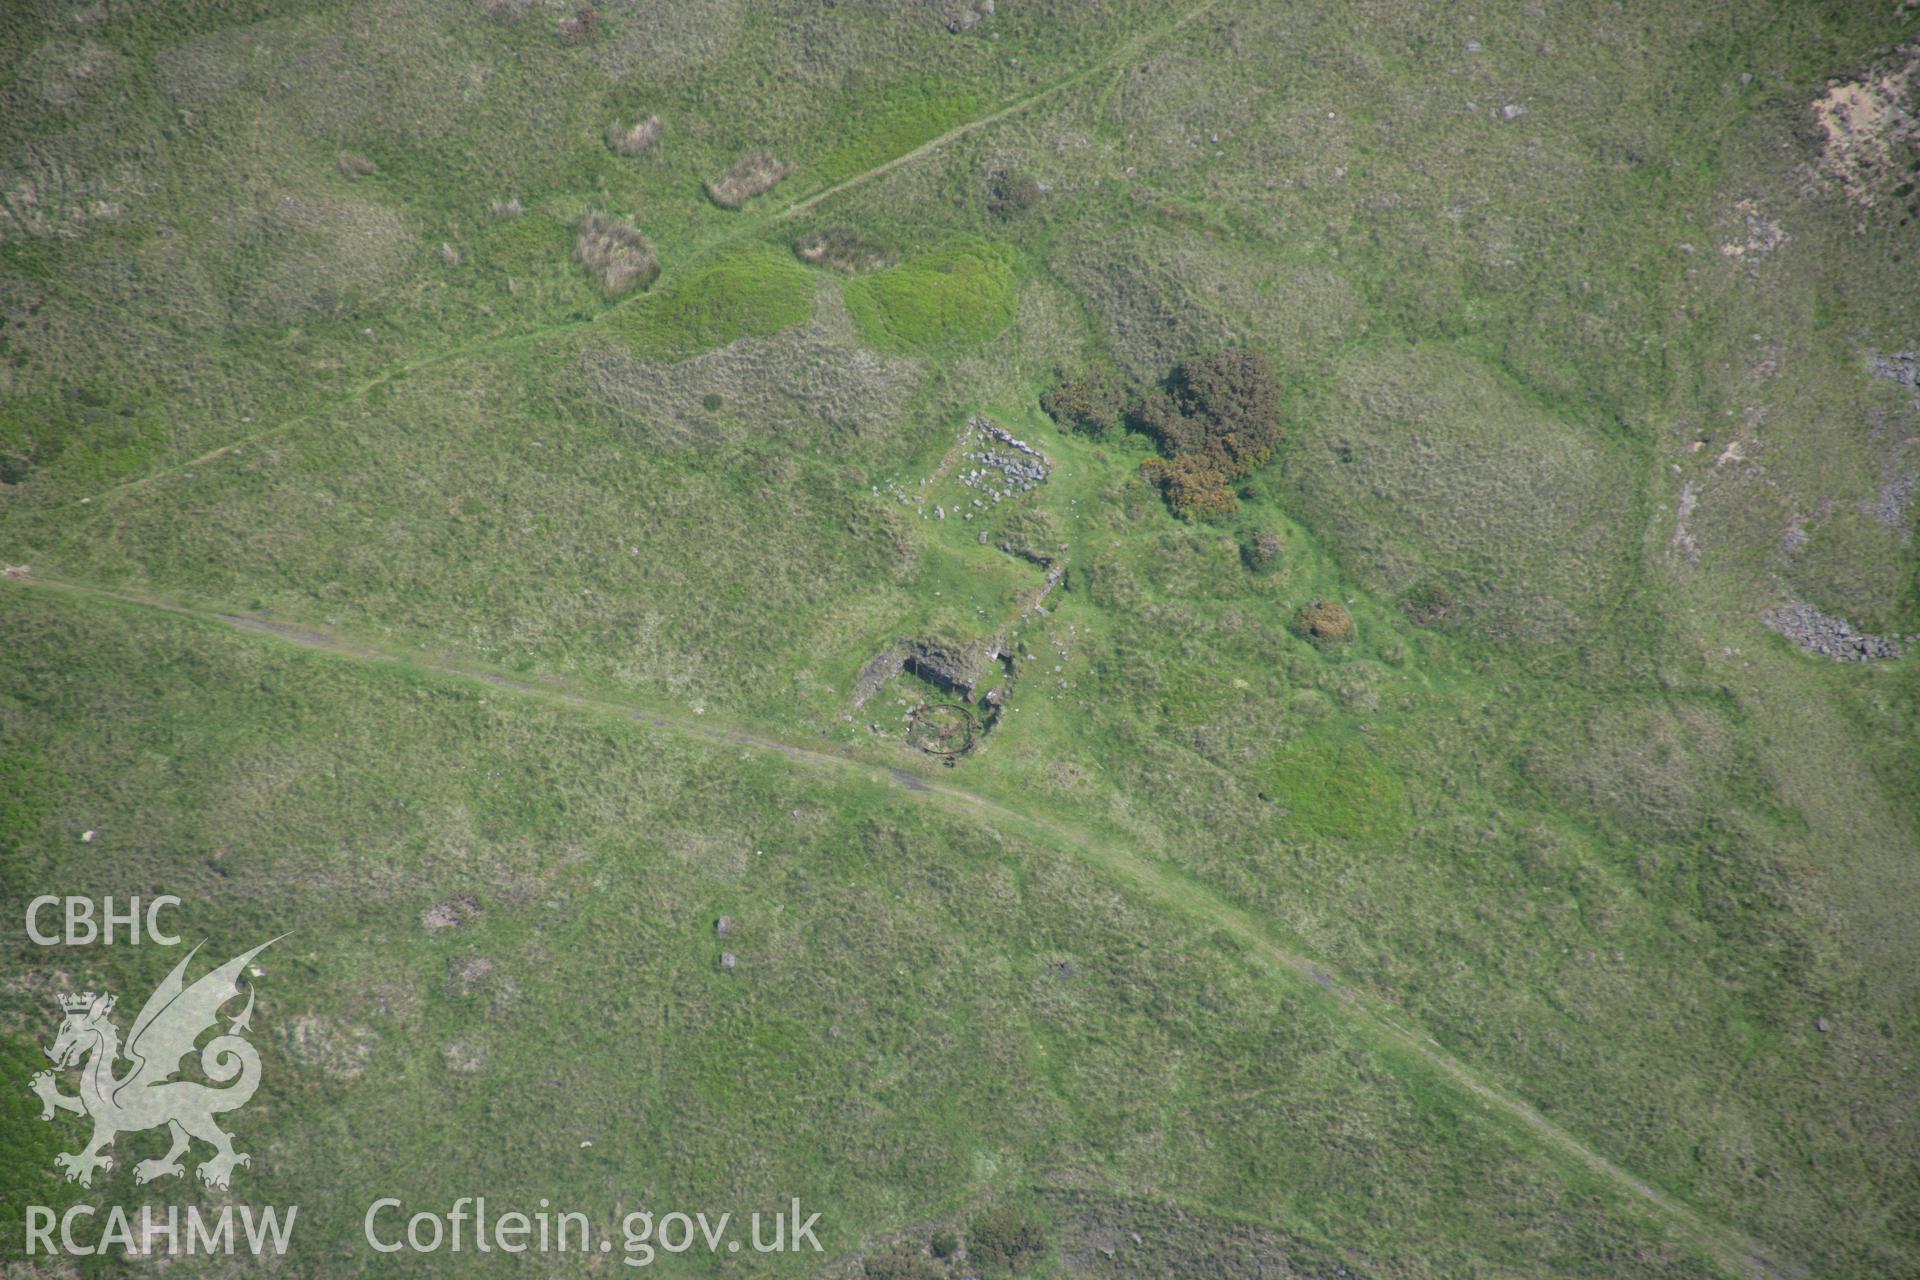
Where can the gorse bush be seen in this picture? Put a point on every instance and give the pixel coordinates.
(1193, 483)
(1226, 404)
(1327, 622)
(1216, 419)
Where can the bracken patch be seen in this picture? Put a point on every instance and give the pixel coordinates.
(615, 254)
(632, 140)
(753, 174)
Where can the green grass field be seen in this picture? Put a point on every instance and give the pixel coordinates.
(366, 564)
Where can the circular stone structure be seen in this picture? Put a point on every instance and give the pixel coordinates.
(944, 729)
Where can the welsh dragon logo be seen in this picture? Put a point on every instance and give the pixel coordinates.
(147, 1096)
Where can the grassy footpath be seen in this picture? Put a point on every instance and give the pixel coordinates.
(900, 996)
(1154, 881)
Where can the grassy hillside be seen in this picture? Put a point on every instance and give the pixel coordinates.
(1595, 355)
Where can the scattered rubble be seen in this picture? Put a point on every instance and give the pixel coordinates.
(1832, 637)
(1005, 472)
(997, 466)
(1899, 367)
(1683, 543)
(1763, 234)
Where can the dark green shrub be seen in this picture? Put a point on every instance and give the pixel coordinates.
(1260, 550)
(1216, 419)
(1428, 605)
(1012, 194)
(945, 1244)
(1091, 404)
(1226, 404)
(1004, 1240)
(900, 1266)
(1157, 414)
